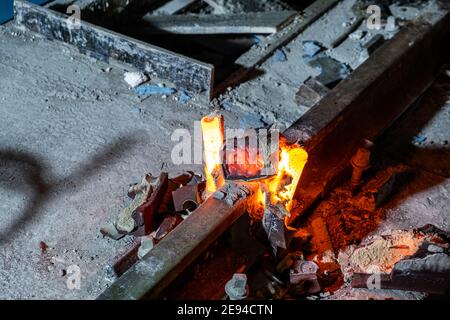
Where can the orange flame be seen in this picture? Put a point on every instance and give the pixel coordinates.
(290, 167)
(213, 137)
(279, 189)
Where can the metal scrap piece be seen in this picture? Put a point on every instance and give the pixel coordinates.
(273, 224)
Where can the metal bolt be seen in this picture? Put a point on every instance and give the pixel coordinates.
(361, 162)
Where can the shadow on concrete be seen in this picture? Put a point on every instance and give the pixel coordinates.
(22, 171)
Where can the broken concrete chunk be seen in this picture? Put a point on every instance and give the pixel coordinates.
(280, 56)
(147, 244)
(391, 24)
(311, 49)
(357, 35)
(135, 78)
(331, 71)
(435, 249)
(111, 231)
(237, 288)
(382, 253)
(434, 263)
(125, 222)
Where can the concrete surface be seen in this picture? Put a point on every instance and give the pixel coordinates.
(74, 136)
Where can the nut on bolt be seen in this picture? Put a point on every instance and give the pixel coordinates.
(237, 288)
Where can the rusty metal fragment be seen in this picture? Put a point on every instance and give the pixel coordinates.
(273, 224)
(122, 262)
(172, 255)
(188, 197)
(151, 207)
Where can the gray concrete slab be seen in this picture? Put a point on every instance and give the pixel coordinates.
(73, 136)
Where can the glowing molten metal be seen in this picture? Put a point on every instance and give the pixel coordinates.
(213, 138)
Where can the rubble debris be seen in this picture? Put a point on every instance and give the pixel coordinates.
(350, 28)
(328, 257)
(135, 79)
(391, 24)
(125, 222)
(237, 288)
(360, 7)
(311, 92)
(376, 191)
(148, 89)
(311, 49)
(357, 35)
(303, 278)
(219, 195)
(429, 274)
(147, 244)
(382, 253)
(110, 230)
(279, 56)
(331, 71)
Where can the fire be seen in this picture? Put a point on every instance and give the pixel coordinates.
(213, 138)
(277, 189)
(290, 167)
